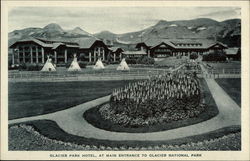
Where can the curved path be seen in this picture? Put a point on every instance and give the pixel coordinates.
(72, 122)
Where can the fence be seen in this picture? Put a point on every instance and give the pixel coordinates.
(138, 73)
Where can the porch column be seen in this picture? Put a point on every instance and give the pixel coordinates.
(103, 54)
(94, 56)
(18, 55)
(65, 56)
(99, 52)
(148, 53)
(42, 55)
(55, 57)
(36, 54)
(31, 55)
(114, 56)
(90, 56)
(24, 54)
(13, 56)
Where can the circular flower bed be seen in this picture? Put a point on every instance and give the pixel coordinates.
(167, 98)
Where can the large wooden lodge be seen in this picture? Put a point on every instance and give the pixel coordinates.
(159, 48)
(36, 50)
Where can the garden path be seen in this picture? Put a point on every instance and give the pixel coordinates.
(72, 122)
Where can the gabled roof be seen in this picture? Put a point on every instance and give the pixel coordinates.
(217, 43)
(163, 43)
(86, 43)
(114, 49)
(56, 45)
(33, 40)
(181, 43)
(49, 43)
(59, 40)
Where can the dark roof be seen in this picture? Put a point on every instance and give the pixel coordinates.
(59, 40)
(114, 49)
(41, 43)
(86, 43)
(55, 43)
(181, 43)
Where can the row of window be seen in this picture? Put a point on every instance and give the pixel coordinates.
(188, 44)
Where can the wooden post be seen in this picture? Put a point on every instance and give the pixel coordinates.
(65, 56)
(55, 57)
(13, 56)
(24, 54)
(36, 54)
(31, 55)
(114, 56)
(90, 56)
(99, 52)
(42, 55)
(18, 55)
(94, 55)
(103, 54)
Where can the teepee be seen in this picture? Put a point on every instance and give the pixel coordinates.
(74, 65)
(123, 65)
(48, 66)
(99, 65)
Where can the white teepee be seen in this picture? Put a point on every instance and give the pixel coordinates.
(99, 65)
(74, 65)
(123, 65)
(48, 66)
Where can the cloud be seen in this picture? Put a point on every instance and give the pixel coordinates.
(115, 19)
(223, 14)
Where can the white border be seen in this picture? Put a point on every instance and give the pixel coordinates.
(206, 155)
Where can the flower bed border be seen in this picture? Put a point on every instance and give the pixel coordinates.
(93, 117)
(49, 131)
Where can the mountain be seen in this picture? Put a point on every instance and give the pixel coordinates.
(50, 31)
(79, 31)
(106, 35)
(227, 32)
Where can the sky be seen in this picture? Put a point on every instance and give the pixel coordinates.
(115, 19)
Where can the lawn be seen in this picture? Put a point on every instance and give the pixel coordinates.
(169, 62)
(21, 139)
(229, 65)
(94, 117)
(36, 98)
(232, 87)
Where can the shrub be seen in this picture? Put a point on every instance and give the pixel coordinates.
(13, 67)
(214, 57)
(193, 56)
(30, 67)
(145, 60)
(131, 60)
(82, 64)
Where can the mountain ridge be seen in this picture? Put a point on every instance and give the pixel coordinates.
(227, 31)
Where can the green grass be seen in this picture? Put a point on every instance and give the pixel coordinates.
(232, 87)
(94, 117)
(36, 98)
(51, 130)
(230, 65)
